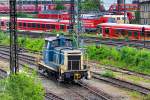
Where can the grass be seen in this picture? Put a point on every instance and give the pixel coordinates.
(108, 73)
(35, 45)
(125, 57)
(88, 35)
(132, 78)
(146, 97)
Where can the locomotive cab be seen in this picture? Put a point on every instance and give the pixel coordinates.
(63, 59)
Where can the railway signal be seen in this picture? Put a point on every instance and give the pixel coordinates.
(14, 68)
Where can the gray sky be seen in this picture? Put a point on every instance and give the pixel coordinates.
(107, 3)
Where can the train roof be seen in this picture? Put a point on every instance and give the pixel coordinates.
(114, 16)
(50, 38)
(37, 19)
(125, 25)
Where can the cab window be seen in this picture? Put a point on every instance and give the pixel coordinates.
(54, 43)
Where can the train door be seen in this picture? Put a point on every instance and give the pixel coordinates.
(53, 27)
(99, 30)
(147, 36)
(129, 34)
(4, 25)
(135, 35)
(62, 27)
(106, 32)
(48, 28)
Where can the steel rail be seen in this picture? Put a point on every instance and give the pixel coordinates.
(123, 83)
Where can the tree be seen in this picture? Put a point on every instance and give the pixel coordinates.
(60, 7)
(91, 5)
(21, 87)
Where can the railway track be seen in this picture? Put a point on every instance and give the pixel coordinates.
(3, 74)
(122, 83)
(23, 59)
(119, 43)
(120, 70)
(113, 42)
(49, 95)
(101, 95)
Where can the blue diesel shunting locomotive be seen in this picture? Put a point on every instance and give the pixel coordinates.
(64, 61)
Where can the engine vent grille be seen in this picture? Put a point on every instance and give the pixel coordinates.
(74, 62)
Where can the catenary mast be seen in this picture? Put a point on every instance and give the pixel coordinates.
(14, 68)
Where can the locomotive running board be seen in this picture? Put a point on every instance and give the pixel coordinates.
(42, 64)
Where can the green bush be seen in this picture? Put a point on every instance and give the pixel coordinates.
(25, 42)
(108, 74)
(21, 87)
(125, 57)
(146, 97)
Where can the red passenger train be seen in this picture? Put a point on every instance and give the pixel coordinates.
(128, 7)
(46, 25)
(30, 8)
(124, 31)
(40, 25)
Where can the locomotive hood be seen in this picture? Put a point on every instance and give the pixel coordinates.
(68, 50)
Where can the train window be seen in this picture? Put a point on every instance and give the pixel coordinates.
(20, 24)
(111, 20)
(48, 26)
(43, 25)
(118, 18)
(38, 25)
(29, 24)
(2, 23)
(147, 34)
(141, 34)
(68, 27)
(135, 33)
(62, 26)
(53, 26)
(129, 33)
(107, 30)
(123, 32)
(24, 24)
(54, 44)
(33, 25)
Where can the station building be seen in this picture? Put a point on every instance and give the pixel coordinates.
(144, 11)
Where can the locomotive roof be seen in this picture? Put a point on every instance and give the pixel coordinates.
(125, 25)
(55, 38)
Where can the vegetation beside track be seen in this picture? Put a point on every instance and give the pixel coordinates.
(21, 87)
(125, 57)
(32, 44)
